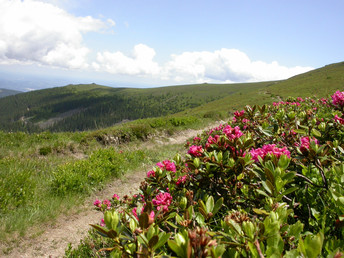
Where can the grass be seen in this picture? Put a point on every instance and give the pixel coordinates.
(36, 187)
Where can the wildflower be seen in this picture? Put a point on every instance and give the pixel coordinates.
(151, 173)
(338, 119)
(151, 215)
(196, 139)
(239, 114)
(181, 180)
(232, 133)
(115, 196)
(168, 165)
(269, 149)
(107, 203)
(102, 223)
(162, 201)
(338, 99)
(195, 151)
(134, 211)
(305, 143)
(97, 203)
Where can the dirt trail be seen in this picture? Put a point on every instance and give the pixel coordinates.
(70, 229)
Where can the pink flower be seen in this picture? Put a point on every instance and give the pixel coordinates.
(196, 139)
(212, 140)
(305, 143)
(134, 211)
(338, 119)
(196, 151)
(300, 99)
(168, 165)
(216, 129)
(269, 149)
(151, 173)
(151, 215)
(338, 99)
(107, 203)
(115, 196)
(97, 203)
(102, 223)
(162, 201)
(232, 133)
(181, 180)
(239, 114)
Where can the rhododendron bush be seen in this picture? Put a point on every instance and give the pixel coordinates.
(269, 183)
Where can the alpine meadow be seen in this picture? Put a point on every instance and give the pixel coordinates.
(265, 178)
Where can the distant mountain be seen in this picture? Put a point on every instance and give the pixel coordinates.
(92, 106)
(7, 92)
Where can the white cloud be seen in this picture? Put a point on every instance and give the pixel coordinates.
(224, 65)
(37, 32)
(140, 63)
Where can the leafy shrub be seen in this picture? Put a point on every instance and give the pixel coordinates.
(268, 183)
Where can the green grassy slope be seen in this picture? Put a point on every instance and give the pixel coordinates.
(320, 82)
(83, 107)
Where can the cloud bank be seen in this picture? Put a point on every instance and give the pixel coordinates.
(39, 32)
(224, 65)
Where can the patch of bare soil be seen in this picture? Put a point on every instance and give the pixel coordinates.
(73, 227)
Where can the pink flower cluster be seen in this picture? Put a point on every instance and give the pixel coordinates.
(232, 133)
(168, 165)
(181, 180)
(305, 143)
(239, 114)
(115, 196)
(151, 215)
(276, 104)
(338, 99)
(269, 149)
(151, 173)
(162, 201)
(338, 119)
(220, 127)
(195, 151)
(99, 204)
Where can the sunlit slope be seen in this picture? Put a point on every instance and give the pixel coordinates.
(83, 107)
(320, 82)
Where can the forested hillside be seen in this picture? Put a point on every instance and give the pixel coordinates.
(83, 107)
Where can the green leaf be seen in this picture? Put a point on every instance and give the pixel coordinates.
(300, 131)
(209, 204)
(288, 176)
(175, 248)
(163, 237)
(268, 186)
(315, 133)
(260, 212)
(290, 190)
(218, 205)
(311, 246)
(143, 220)
(262, 193)
(283, 162)
(153, 241)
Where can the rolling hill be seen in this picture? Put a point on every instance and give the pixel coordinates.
(92, 106)
(7, 92)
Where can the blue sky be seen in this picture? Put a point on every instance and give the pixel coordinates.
(155, 43)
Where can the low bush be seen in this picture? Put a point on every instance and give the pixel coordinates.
(267, 184)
